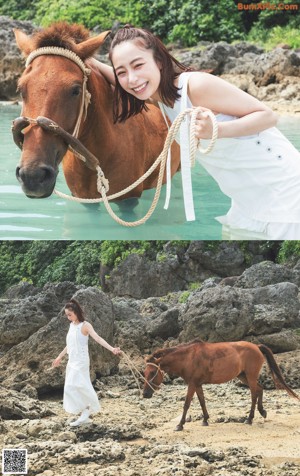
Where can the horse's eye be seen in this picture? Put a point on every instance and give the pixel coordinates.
(76, 90)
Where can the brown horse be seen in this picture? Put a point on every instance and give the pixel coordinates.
(200, 362)
(51, 86)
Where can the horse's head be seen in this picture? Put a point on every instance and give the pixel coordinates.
(153, 376)
(51, 86)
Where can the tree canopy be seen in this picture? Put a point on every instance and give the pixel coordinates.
(185, 21)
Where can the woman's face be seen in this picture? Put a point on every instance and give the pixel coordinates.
(136, 70)
(71, 315)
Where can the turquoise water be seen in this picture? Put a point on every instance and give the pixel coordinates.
(54, 218)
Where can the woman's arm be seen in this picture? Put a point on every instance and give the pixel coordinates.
(57, 361)
(222, 97)
(104, 69)
(89, 330)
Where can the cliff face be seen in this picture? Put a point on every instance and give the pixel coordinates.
(272, 77)
(260, 305)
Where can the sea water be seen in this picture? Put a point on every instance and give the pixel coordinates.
(53, 218)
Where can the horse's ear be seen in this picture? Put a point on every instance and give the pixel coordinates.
(87, 48)
(24, 42)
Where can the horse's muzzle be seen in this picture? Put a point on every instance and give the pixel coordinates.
(37, 182)
(147, 392)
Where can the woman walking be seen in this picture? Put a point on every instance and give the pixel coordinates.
(252, 161)
(79, 394)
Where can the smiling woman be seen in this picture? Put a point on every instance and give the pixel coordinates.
(252, 162)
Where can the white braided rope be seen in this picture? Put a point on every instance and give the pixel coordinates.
(102, 182)
(102, 185)
(55, 50)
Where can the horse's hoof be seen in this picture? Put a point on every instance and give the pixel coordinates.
(249, 422)
(264, 414)
(188, 419)
(179, 428)
(205, 423)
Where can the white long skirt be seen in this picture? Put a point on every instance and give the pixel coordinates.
(261, 175)
(79, 392)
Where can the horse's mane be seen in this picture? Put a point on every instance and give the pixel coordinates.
(168, 350)
(61, 34)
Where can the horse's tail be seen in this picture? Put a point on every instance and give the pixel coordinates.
(275, 371)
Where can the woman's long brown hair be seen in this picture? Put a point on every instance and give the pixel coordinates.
(74, 306)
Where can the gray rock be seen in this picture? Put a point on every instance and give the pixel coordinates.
(164, 326)
(140, 278)
(16, 406)
(279, 342)
(222, 258)
(18, 321)
(11, 61)
(267, 272)
(217, 314)
(30, 362)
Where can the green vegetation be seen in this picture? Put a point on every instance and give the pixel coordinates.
(184, 21)
(40, 262)
(184, 297)
(289, 250)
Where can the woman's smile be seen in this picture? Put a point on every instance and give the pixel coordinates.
(141, 88)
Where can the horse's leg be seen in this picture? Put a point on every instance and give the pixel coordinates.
(186, 406)
(200, 395)
(260, 407)
(254, 389)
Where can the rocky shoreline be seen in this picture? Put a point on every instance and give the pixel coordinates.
(217, 293)
(271, 76)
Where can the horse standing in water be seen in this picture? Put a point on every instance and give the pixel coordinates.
(200, 362)
(54, 86)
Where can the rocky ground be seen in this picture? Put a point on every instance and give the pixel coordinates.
(134, 436)
(229, 300)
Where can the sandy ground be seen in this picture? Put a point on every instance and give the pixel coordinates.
(269, 447)
(275, 439)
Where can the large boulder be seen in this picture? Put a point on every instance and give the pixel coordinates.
(217, 314)
(26, 309)
(140, 278)
(221, 258)
(29, 363)
(16, 406)
(229, 313)
(177, 267)
(11, 60)
(267, 272)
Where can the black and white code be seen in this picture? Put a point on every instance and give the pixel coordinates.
(14, 461)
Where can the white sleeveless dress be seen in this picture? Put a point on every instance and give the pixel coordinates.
(78, 390)
(260, 174)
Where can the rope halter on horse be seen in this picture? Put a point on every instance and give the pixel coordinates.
(86, 96)
(150, 382)
(91, 161)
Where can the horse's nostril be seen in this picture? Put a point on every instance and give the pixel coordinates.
(37, 182)
(42, 175)
(48, 173)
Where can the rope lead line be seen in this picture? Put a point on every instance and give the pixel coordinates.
(90, 160)
(102, 182)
